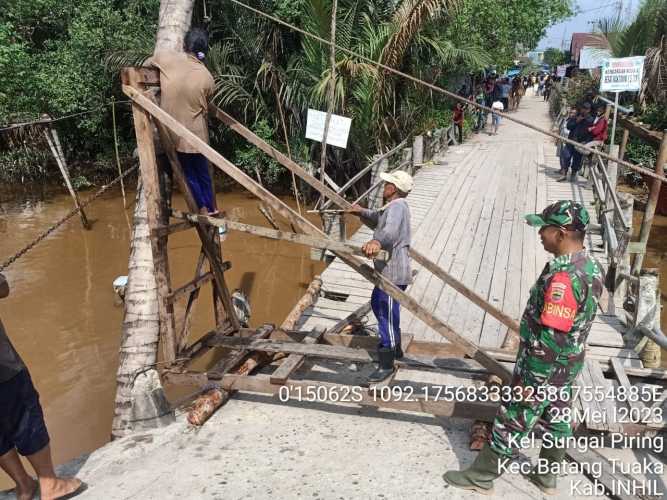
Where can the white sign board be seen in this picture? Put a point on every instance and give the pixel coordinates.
(592, 57)
(620, 75)
(561, 70)
(339, 128)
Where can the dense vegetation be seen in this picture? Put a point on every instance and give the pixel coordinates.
(62, 57)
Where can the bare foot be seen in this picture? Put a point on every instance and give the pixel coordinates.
(27, 493)
(55, 488)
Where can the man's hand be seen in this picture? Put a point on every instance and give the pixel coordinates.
(355, 209)
(372, 248)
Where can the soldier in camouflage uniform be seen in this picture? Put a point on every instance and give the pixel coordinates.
(554, 328)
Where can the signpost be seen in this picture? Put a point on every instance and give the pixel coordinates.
(338, 132)
(561, 70)
(621, 75)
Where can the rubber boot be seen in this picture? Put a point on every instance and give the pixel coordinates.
(480, 475)
(573, 177)
(562, 178)
(398, 352)
(385, 365)
(547, 481)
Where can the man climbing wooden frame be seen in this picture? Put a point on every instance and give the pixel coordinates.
(304, 225)
(133, 78)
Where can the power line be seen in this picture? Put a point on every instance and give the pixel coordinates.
(44, 121)
(378, 64)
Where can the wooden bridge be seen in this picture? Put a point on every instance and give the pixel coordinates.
(467, 216)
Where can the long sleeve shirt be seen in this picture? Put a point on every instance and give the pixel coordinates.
(599, 130)
(391, 225)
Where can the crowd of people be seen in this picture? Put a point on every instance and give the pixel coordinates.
(501, 94)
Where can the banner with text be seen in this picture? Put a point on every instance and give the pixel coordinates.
(621, 75)
(339, 128)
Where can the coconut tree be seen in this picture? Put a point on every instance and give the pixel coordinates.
(141, 325)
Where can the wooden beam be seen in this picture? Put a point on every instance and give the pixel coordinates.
(265, 232)
(624, 382)
(357, 315)
(228, 363)
(192, 300)
(651, 136)
(151, 188)
(294, 361)
(58, 155)
(307, 227)
(194, 284)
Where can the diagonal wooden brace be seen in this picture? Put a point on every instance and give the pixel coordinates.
(307, 227)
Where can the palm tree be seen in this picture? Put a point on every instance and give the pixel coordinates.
(645, 35)
(141, 325)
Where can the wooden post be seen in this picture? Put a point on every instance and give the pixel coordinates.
(417, 152)
(151, 186)
(648, 315)
(57, 151)
(649, 212)
(627, 203)
(612, 173)
(382, 166)
(624, 144)
(406, 158)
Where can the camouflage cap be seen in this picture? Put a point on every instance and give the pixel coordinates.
(567, 214)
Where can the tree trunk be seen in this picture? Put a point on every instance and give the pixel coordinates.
(141, 326)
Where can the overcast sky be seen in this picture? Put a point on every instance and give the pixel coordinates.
(586, 13)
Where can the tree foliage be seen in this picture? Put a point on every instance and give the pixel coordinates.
(62, 57)
(555, 57)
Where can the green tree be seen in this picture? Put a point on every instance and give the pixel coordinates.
(554, 56)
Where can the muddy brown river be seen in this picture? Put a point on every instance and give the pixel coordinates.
(62, 317)
(62, 313)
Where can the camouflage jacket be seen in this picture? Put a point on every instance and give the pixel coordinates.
(562, 305)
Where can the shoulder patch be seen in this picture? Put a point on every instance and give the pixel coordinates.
(560, 305)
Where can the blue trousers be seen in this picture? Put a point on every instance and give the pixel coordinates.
(388, 313)
(570, 157)
(195, 168)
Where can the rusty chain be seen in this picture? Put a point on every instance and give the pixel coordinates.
(62, 221)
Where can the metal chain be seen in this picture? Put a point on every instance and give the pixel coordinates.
(62, 221)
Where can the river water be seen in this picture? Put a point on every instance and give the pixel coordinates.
(63, 317)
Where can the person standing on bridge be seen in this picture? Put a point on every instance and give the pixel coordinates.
(457, 119)
(392, 232)
(578, 126)
(554, 327)
(22, 428)
(186, 87)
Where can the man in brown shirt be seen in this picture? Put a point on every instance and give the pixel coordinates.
(22, 428)
(186, 87)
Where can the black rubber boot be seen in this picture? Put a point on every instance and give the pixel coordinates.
(547, 481)
(385, 365)
(480, 475)
(398, 352)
